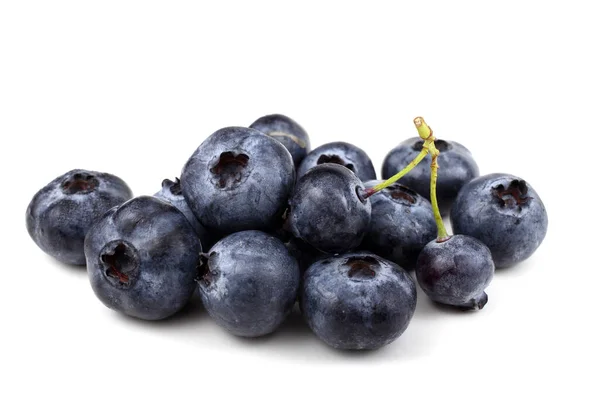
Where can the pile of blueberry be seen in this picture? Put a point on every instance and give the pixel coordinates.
(258, 222)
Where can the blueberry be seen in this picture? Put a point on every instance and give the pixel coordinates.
(456, 271)
(345, 154)
(304, 253)
(327, 209)
(288, 132)
(357, 300)
(62, 212)
(142, 258)
(238, 179)
(505, 213)
(248, 283)
(457, 167)
(171, 193)
(402, 223)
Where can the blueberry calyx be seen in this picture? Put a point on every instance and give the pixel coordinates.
(403, 194)
(515, 195)
(229, 169)
(174, 187)
(480, 301)
(205, 273)
(362, 267)
(80, 184)
(361, 193)
(120, 262)
(440, 144)
(334, 159)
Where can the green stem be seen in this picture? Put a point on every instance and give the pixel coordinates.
(393, 179)
(426, 134)
(442, 234)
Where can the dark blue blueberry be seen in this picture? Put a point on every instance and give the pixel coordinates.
(171, 193)
(402, 223)
(456, 168)
(358, 300)
(287, 131)
(456, 271)
(304, 253)
(342, 153)
(248, 283)
(142, 258)
(238, 179)
(61, 213)
(327, 209)
(505, 213)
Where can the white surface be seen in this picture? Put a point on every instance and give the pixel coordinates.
(132, 88)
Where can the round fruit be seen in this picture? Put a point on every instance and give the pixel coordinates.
(505, 213)
(62, 212)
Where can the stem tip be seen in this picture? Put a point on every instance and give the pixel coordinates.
(422, 128)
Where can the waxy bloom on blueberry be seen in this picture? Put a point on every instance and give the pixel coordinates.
(62, 212)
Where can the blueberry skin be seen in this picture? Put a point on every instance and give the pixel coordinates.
(326, 210)
(357, 300)
(402, 223)
(505, 213)
(305, 255)
(238, 179)
(286, 131)
(456, 168)
(456, 272)
(342, 153)
(171, 193)
(142, 258)
(61, 213)
(249, 283)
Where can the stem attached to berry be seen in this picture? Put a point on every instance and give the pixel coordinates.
(442, 234)
(428, 147)
(393, 179)
(426, 134)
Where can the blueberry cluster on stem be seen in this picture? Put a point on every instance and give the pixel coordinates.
(426, 134)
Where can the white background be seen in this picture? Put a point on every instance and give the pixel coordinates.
(132, 88)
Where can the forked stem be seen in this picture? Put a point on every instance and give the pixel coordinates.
(395, 178)
(426, 134)
(428, 145)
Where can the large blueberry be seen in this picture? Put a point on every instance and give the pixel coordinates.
(456, 168)
(402, 223)
(505, 213)
(456, 271)
(357, 300)
(248, 283)
(304, 253)
(62, 212)
(171, 192)
(142, 258)
(287, 131)
(342, 153)
(238, 179)
(327, 209)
